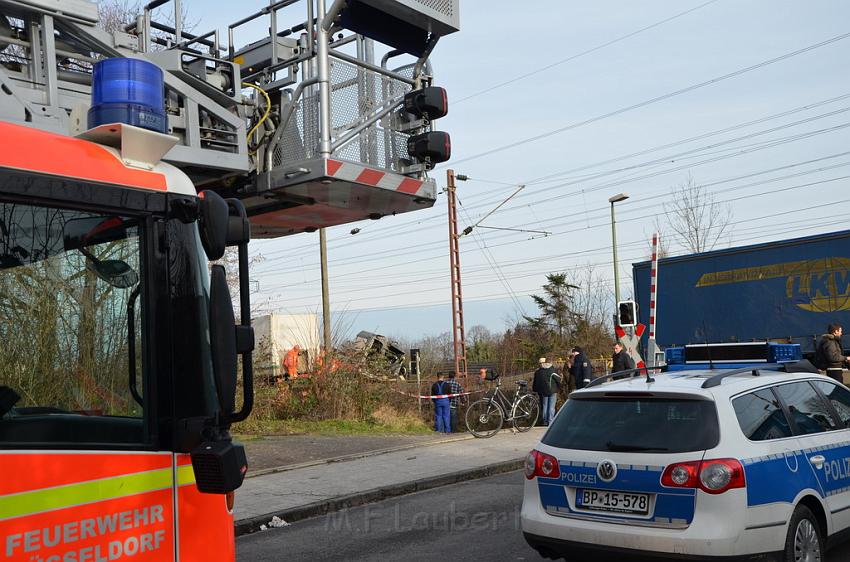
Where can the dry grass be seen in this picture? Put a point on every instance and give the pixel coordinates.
(349, 397)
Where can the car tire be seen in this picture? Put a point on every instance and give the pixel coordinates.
(804, 540)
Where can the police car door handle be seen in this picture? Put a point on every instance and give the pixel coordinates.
(817, 461)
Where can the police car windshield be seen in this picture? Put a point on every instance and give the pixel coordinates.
(640, 425)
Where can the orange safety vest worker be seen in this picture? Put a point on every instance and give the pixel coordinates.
(290, 362)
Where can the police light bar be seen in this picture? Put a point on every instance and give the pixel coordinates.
(733, 353)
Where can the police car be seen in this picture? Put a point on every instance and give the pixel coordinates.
(750, 464)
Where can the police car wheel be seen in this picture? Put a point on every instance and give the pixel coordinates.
(804, 541)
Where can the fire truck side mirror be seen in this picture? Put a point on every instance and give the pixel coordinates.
(238, 225)
(213, 224)
(239, 234)
(223, 340)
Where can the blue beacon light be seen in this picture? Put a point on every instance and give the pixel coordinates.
(128, 91)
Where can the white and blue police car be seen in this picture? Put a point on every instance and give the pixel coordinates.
(749, 464)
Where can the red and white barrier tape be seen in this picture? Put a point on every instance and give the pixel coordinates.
(435, 396)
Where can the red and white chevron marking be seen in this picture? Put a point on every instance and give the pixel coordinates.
(358, 173)
(653, 285)
(631, 342)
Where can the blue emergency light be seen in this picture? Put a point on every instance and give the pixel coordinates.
(128, 91)
(730, 355)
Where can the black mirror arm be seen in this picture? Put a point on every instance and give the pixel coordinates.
(245, 338)
(131, 344)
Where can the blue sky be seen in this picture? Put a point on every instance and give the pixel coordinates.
(392, 277)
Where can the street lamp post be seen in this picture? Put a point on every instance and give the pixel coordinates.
(615, 199)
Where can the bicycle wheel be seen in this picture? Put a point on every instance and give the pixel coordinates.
(484, 418)
(525, 412)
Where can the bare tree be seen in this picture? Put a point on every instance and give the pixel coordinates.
(114, 15)
(663, 241)
(694, 214)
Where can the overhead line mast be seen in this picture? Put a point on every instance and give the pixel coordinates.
(458, 335)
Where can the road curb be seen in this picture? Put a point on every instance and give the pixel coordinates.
(355, 456)
(252, 524)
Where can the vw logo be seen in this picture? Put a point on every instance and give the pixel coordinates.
(607, 470)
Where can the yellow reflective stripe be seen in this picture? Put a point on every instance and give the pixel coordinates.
(185, 475)
(70, 495)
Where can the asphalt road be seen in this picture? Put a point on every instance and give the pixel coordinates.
(476, 520)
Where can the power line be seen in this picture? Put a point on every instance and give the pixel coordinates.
(494, 264)
(739, 152)
(422, 246)
(583, 53)
(656, 99)
(631, 208)
(607, 248)
(792, 138)
(502, 296)
(477, 271)
(689, 140)
(374, 233)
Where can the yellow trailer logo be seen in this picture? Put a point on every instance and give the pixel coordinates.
(821, 285)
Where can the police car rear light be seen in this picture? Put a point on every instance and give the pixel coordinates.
(720, 475)
(681, 475)
(541, 464)
(711, 476)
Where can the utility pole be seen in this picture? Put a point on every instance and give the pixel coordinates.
(326, 305)
(457, 292)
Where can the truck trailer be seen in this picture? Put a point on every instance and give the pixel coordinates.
(784, 291)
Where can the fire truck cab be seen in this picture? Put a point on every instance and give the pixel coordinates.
(119, 354)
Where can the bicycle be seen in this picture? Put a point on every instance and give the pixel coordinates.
(484, 418)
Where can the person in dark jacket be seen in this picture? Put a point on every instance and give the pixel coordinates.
(621, 361)
(442, 419)
(829, 355)
(546, 383)
(581, 371)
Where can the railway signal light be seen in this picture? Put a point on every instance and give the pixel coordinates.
(626, 313)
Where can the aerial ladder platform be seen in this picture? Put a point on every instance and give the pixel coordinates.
(329, 119)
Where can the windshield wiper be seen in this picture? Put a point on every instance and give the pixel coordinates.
(621, 448)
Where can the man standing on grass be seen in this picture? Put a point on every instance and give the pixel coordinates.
(454, 387)
(442, 420)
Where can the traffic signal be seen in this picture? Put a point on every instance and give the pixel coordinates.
(414, 361)
(626, 313)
